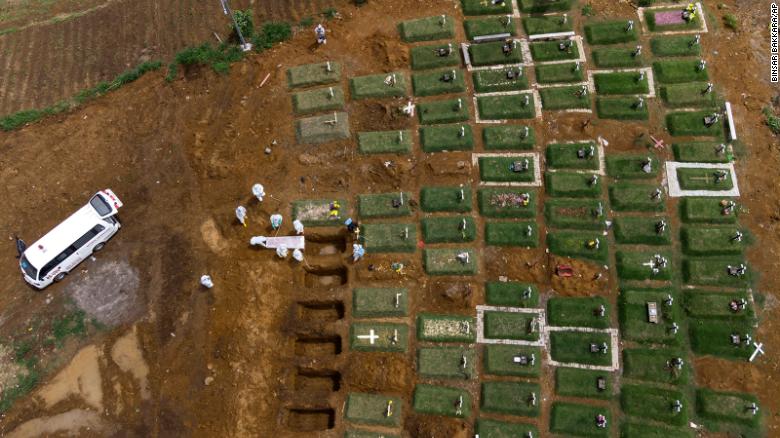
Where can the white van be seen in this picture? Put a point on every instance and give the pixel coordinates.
(86, 231)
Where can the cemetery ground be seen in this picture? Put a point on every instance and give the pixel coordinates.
(290, 349)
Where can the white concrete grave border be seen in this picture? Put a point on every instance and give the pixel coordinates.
(523, 45)
(674, 184)
(648, 74)
(602, 171)
(537, 182)
(478, 119)
(699, 11)
(540, 316)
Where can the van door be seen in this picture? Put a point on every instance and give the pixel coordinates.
(85, 243)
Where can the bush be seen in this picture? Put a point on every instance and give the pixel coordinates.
(730, 20)
(771, 120)
(245, 23)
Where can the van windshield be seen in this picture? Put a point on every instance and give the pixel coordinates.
(28, 268)
(100, 205)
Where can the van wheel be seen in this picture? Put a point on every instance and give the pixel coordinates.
(60, 277)
(98, 247)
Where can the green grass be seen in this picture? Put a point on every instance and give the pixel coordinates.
(443, 111)
(510, 325)
(698, 241)
(689, 95)
(700, 152)
(510, 398)
(449, 229)
(581, 214)
(562, 98)
(481, 7)
(512, 234)
(389, 237)
(385, 142)
(577, 312)
(313, 74)
(445, 328)
(620, 83)
(425, 57)
(316, 212)
(371, 302)
(727, 407)
(73, 323)
(492, 81)
(713, 337)
(492, 53)
(690, 25)
(678, 71)
(489, 26)
(632, 429)
(571, 185)
(551, 51)
(679, 45)
(631, 265)
(511, 293)
(427, 29)
(713, 272)
(705, 210)
(546, 24)
(552, 73)
(771, 120)
(498, 360)
(610, 32)
(318, 100)
(385, 332)
(654, 404)
(654, 366)
(441, 261)
(703, 179)
(565, 156)
(375, 86)
(446, 138)
(431, 83)
(574, 347)
(573, 382)
(362, 408)
(381, 205)
(635, 197)
(613, 57)
(487, 428)
(571, 419)
(441, 400)
(621, 108)
(634, 324)
(446, 363)
(495, 203)
(574, 244)
(544, 6)
(499, 169)
(440, 199)
(515, 106)
(631, 166)
(509, 137)
(641, 230)
(703, 304)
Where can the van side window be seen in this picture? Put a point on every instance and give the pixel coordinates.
(89, 235)
(56, 261)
